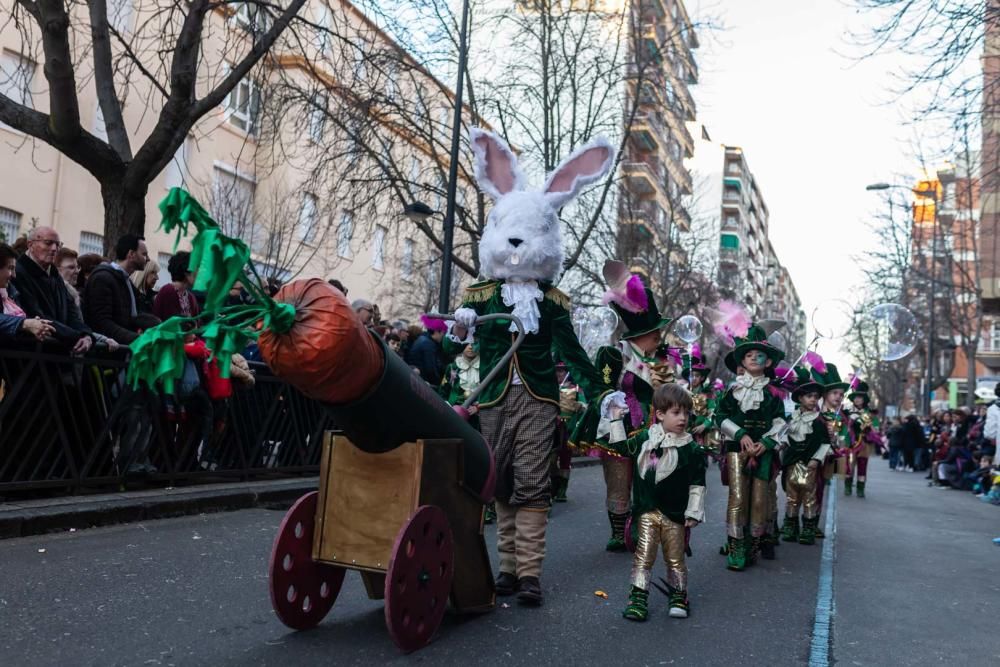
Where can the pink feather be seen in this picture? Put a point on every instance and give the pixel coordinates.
(718, 385)
(433, 323)
(776, 392)
(815, 361)
(696, 350)
(733, 322)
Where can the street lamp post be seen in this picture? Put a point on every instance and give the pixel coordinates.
(932, 194)
(444, 301)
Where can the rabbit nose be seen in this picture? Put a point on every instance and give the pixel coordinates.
(515, 242)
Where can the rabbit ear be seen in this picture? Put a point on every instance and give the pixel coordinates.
(587, 164)
(495, 164)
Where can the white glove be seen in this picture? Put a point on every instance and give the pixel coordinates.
(614, 406)
(466, 318)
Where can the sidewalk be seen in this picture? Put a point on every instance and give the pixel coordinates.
(915, 570)
(46, 515)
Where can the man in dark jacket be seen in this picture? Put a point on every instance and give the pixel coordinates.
(110, 301)
(43, 294)
(426, 353)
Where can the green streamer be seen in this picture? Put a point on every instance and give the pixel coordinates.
(158, 355)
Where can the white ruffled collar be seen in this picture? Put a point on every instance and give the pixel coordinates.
(524, 296)
(749, 391)
(664, 460)
(801, 424)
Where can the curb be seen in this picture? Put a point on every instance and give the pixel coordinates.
(37, 517)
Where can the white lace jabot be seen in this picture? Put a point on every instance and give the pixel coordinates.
(524, 297)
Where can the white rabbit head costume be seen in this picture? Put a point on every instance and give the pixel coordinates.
(521, 241)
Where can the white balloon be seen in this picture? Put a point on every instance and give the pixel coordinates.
(688, 328)
(893, 330)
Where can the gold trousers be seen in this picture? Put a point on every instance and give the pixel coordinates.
(749, 498)
(656, 530)
(617, 477)
(800, 488)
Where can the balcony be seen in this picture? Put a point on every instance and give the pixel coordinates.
(729, 257)
(647, 131)
(640, 178)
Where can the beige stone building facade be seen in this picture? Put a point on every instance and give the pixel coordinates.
(275, 163)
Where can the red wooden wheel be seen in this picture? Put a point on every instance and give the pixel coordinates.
(302, 590)
(418, 581)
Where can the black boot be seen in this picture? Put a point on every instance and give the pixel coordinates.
(529, 591)
(506, 584)
(617, 541)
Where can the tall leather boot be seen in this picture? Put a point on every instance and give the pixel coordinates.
(617, 541)
(848, 482)
(861, 489)
(790, 531)
(808, 535)
(736, 555)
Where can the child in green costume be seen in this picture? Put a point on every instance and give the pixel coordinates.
(668, 491)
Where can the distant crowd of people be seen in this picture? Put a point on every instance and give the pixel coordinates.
(955, 448)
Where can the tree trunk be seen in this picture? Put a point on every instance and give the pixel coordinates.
(124, 212)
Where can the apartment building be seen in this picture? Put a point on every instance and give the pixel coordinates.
(749, 270)
(653, 208)
(285, 162)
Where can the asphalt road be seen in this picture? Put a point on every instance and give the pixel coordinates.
(915, 582)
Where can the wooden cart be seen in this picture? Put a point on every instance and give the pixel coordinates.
(403, 520)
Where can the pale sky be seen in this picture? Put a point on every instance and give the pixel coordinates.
(814, 128)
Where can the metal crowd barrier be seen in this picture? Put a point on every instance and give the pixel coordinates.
(71, 424)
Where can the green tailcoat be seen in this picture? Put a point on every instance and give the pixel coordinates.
(533, 360)
(754, 423)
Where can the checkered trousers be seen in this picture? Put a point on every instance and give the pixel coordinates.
(520, 429)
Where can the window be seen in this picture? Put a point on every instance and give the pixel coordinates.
(378, 248)
(360, 66)
(994, 339)
(324, 23)
(10, 225)
(100, 127)
(176, 172)
(307, 217)
(731, 194)
(731, 221)
(120, 15)
(733, 167)
(406, 267)
(16, 74)
(317, 117)
(391, 87)
(242, 105)
(344, 233)
(91, 243)
(729, 241)
(233, 206)
(163, 259)
(251, 17)
(668, 90)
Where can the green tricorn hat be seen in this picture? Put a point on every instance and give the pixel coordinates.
(829, 378)
(632, 301)
(804, 384)
(609, 363)
(755, 339)
(860, 389)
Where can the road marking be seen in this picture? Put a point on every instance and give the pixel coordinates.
(826, 609)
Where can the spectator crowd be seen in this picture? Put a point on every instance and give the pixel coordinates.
(80, 304)
(955, 449)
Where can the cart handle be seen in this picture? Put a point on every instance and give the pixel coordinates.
(521, 334)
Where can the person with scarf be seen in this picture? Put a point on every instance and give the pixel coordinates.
(808, 447)
(636, 367)
(865, 438)
(835, 420)
(668, 491)
(751, 418)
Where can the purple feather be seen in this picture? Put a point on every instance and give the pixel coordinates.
(733, 322)
(635, 292)
(815, 361)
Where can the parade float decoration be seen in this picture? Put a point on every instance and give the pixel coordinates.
(402, 482)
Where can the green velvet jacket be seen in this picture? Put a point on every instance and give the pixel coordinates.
(533, 359)
(803, 451)
(671, 495)
(754, 423)
(705, 395)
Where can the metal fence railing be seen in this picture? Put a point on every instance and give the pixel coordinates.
(71, 423)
